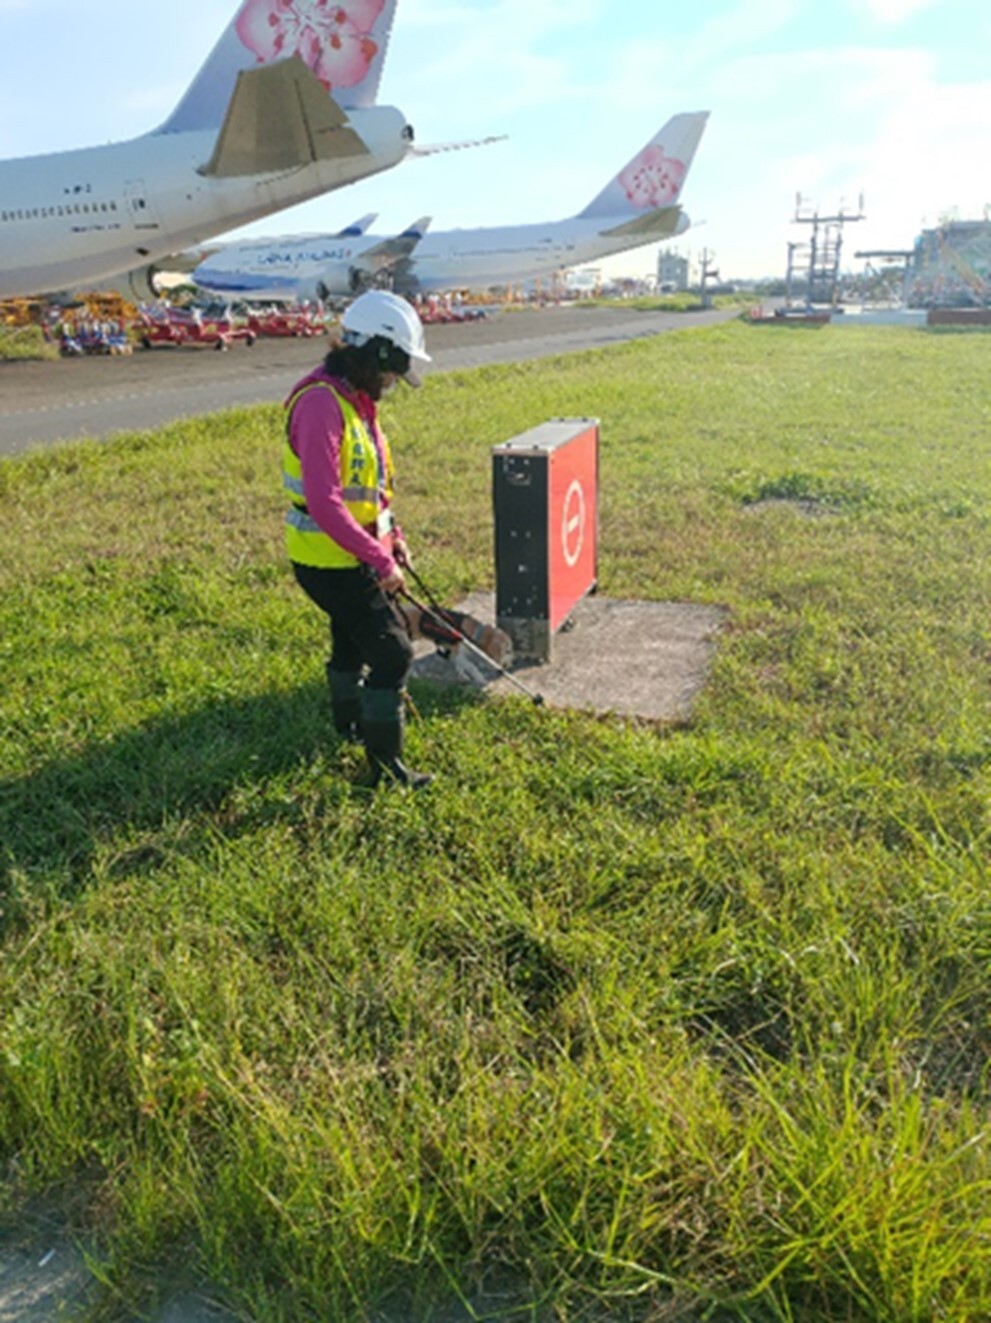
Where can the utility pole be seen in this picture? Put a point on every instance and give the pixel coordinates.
(707, 273)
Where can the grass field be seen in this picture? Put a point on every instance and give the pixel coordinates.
(25, 342)
(616, 1021)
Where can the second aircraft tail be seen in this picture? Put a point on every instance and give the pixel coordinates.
(654, 178)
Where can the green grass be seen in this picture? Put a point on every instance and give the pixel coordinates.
(677, 301)
(617, 1020)
(25, 342)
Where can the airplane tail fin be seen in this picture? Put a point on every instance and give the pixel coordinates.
(417, 230)
(652, 181)
(356, 228)
(343, 44)
(389, 250)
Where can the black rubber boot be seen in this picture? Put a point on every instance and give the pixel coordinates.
(382, 723)
(345, 700)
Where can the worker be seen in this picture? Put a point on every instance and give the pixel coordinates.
(346, 550)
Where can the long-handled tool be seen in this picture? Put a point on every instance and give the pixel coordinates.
(440, 616)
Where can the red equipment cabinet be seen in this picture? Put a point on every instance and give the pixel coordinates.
(545, 486)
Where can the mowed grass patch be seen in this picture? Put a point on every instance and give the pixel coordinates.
(617, 1019)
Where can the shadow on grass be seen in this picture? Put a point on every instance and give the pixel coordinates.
(53, 820)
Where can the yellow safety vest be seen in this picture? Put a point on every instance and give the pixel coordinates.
(365, 487)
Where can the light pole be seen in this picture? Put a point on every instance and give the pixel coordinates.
(707, 273)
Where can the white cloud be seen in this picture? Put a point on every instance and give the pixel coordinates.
(750, 22)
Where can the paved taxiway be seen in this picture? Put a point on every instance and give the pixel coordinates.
(42, 403)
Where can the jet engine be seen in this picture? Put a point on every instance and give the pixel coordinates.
(137, 286)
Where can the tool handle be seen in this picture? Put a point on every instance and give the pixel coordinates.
(437, 613)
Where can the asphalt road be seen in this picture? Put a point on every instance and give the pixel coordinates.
(43, 403)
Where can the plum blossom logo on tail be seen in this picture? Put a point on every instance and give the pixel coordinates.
(332, 39)
(653, 179)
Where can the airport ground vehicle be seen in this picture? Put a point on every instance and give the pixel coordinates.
(212, 325)
(286, 321)
(435, 310)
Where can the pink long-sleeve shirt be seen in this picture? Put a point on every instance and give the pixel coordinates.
(316, 427)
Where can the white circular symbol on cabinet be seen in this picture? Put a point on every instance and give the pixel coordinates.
(573, 523)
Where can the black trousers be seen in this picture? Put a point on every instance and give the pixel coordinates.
(366, 630)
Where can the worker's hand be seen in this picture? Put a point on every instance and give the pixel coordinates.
(394, 583)
(400, 552)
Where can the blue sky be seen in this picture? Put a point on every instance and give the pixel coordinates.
(823, 99)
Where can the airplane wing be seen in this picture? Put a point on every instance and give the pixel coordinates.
(279, 118)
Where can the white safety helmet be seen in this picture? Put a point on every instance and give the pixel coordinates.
(379, 313)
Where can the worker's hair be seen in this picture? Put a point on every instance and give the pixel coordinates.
(363, 365)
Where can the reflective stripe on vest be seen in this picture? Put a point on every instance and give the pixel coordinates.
(364, 487)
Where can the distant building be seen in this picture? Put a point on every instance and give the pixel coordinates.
(583, 280)
(672, 272)
(951, 266)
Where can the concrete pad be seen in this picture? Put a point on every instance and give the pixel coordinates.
(880, 317)
(638, 659)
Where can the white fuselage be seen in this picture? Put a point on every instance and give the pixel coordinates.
(468, 259)
(506, 255)
(73, 219)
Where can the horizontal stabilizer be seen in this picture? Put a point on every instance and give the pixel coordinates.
(651, 225)
(437, 147)
(280, 118)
